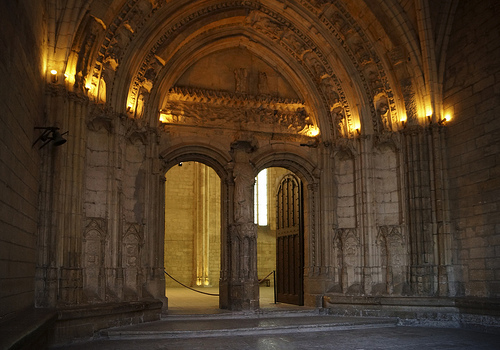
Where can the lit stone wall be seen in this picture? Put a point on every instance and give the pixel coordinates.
(386, 187)
(21, 59)
(192, 224)
(471, 96)
(345, 175)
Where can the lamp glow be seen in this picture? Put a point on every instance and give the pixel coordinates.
(314, 131)
(54, 76)
(166, 117)
(428, 112)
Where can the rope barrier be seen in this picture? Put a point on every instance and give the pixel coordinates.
(263, 279)
(213, 294)
(194, 290)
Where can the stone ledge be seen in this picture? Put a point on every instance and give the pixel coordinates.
(80, 323)
(470, 313)
(28, 329)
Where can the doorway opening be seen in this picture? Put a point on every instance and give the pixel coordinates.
(192, 236)
(280, 244)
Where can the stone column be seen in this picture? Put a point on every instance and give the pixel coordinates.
(243, 284)
(59, 279)
(428, 215)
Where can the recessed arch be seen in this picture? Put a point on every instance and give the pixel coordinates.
(293, 73)
(196, 153)
(297, 164)
(356, 96)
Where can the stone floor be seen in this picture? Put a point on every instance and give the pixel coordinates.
(228, 330)
(408, 338)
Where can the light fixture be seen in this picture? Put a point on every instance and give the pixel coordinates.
(446, 119)
(54, 76)
(50, 133)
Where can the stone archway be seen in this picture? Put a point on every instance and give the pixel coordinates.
(217, 162)
(192, 226)
(316, 280)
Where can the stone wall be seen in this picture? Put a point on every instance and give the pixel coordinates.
(471, 96)
(192, 224)
(21, 64)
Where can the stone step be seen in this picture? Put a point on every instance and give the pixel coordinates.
(197, 326)
(226, 314)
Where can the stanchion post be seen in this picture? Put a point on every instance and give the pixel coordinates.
(274, 285)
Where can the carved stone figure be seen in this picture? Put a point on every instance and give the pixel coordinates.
(315, 65)
(119, 43)
(339, 122)
(139, 108)
(240, 80)
(291, 39)
(329, 89)
(383, 117)
(153, 69)
(265, 24)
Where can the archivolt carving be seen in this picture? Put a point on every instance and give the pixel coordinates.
(277, 27)
(409, 99)
(119, 34)
(232, 110)
(331, 13)
(358, 47)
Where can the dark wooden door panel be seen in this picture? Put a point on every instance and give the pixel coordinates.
(290, 242)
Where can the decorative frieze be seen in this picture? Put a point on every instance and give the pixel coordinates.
(196, 107)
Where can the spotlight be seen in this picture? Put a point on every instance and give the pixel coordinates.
(50, 133)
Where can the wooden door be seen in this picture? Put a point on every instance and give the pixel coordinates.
(290, 242)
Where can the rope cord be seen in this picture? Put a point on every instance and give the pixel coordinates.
(269, 274)
(212, 294)
(194, 290)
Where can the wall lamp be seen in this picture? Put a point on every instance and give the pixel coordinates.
(49, 134)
